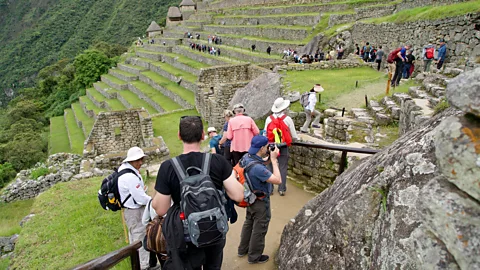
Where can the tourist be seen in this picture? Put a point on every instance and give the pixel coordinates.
(168, 187)
(269, 49)
(257, 219)
(380, 54)
(357, 49)
(214, 141)
(399, 62)
(366, 51)
(225, 142)
(241, 130)
(132, 193)
(409, 62)
(279, 110)
(373, 54)
(253, 47)
(340, 52)
(428, 54)
(310, 110)
(442, 53)
(164, 43)
(218, 51)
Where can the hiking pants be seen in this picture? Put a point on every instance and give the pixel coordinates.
(283, 167)
(398, 72)
(236, 156)
(379, 62)
(440, 64)
(406, 70)
(309, 119)
(136, 231)
(427, 63)
(252, 239)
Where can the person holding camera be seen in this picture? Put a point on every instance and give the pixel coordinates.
(255, 227)
(281, 131)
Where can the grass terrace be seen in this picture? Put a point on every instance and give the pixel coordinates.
(185, 94)
(187, 61)
(78, 231)
(264, 26)
(87, 122)
(268, 16)
(124, 73)
(89, 105)
(115, 79)
(166, 103)
(230, 60)
(136, 102)
(76, 134)
(58, 140)
(12, 214)
(348, 2)
(114, 104)
(275, 56)
(176, 72)
(253, 38)
(132, 66)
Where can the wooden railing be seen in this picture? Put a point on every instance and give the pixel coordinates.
(113, 258)
(343, 149)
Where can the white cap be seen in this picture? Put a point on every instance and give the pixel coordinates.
(211, 129)
(134, 153)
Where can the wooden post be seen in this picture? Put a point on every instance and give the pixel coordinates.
(135, 260)
(356, 84)
(389, 81)
(343, 111)
(343, 162)
(319, 98)
(366, 101)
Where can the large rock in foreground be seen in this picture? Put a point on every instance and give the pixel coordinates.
(415, 205)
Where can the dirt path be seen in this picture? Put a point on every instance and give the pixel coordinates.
(356, 98)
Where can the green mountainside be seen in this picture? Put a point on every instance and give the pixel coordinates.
(38, 33)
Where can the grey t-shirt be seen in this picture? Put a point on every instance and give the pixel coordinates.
(380, 54)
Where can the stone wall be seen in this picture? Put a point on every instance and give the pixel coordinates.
(199, 56)
(118, 131)
(144, 97)
(286, 20)
(165, 92)
(463, 40)
(271, 33)
(411, 116)
(333, 64)
(262, 46)
(336, 129)
(318, 167)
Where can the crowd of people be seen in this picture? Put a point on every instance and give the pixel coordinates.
(206, 49)
(263, 154)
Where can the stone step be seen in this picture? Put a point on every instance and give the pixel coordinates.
(305, 19)
(166, 41)
(416, 92)
(86, 122)
(172, 34)
(175, 75)
(180, 95)
(239, 53)
(134, 101)
(206, 58)
(263, 31)
(114, 82)
(157, 48)
(154, 97)
(97, 99)
(198, 24)
(391, 107)
(75, 133)
(89, 107)
(123, 75)
(131, 68)
(434, 89)
(154, 56)
(400, 97)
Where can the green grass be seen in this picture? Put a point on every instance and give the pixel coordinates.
(166, 103)
(114, 79)
(187, 61)
(96, 95)
(248, 51)
(429, 13)
(76, 134)
(264, 26)
(12, 214)
(133, 66)
(253, 38)
(207, 55)
(336, 82)
(136, 102)
(269, 16)
(58, 141)
(176, 72)
(87, 122)
(349, 2)
(114, 104)
(184, 93)
(124, 73)
(4, 263)
(89, 105)
(167, 127)
(78, 231)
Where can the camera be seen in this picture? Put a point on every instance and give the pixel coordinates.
(271, 146)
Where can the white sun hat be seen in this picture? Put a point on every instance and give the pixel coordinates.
(211, 129)
(318, 88)
(280, 104)
(134, 153)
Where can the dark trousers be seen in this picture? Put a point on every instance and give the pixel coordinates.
(227, 154)
(406, 70)
(283, 167)
(440, 64)
(153, 259)
(236, 156)
(252, 239)
(398, 72)
(379, 62)
(207, 258)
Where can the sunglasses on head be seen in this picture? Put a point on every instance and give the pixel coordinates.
(195, 116)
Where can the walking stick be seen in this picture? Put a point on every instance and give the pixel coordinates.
(389, 81)
(124, 227)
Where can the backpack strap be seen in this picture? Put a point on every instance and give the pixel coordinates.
(206, 163)
(283, 117)
(122, 172)
(179, 169)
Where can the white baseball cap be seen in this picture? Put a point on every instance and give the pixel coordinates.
(211, 129)
(134, 153)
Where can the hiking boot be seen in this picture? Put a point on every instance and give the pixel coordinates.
(282, 193)
(302, 131)
(241, 254)
(262, 259)
(316, 126)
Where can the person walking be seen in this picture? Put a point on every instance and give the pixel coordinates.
(428, 54)
(214, 141)
(399, 62)
(258, 215)
(241, 130)
(409, 62)
(226, 143)
(442, 54)
(269, 49)
(131, 186)
(274, 127)
(183, 254)
(380, 54)
(310, 110)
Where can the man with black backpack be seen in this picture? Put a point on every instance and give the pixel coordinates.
(255, 227)
(196, 224)
(399, 59)
(281, 130)
(134, 198)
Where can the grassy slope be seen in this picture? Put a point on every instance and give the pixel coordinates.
(136, 102)
(184, 93)
(87, 122)
(89, 104)
(12, 214)
(76, 134)
(176, 72)
(335, 82)
(166, 103)
(58, 141)
(62, 237)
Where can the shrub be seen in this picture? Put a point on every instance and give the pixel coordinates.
(40, 171)
(441, 106)
(7, 173)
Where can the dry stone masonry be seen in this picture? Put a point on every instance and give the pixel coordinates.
(415, 205)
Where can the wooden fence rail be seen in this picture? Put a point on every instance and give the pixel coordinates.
(111, 259)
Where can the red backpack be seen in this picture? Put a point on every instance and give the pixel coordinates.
(393, 55)
(429, 53)
(278, 131)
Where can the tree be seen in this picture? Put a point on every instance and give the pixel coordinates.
(89, 66)
(7, 173)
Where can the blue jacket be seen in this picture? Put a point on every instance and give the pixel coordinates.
(442, 52)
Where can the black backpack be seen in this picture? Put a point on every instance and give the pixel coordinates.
(202, 205)
(108, 194)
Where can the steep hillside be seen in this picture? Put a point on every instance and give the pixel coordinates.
(35, 34)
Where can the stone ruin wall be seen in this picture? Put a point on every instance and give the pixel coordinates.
(462, 34)
(216, 87)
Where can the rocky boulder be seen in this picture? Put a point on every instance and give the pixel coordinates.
(415, 205)
(258, 95)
